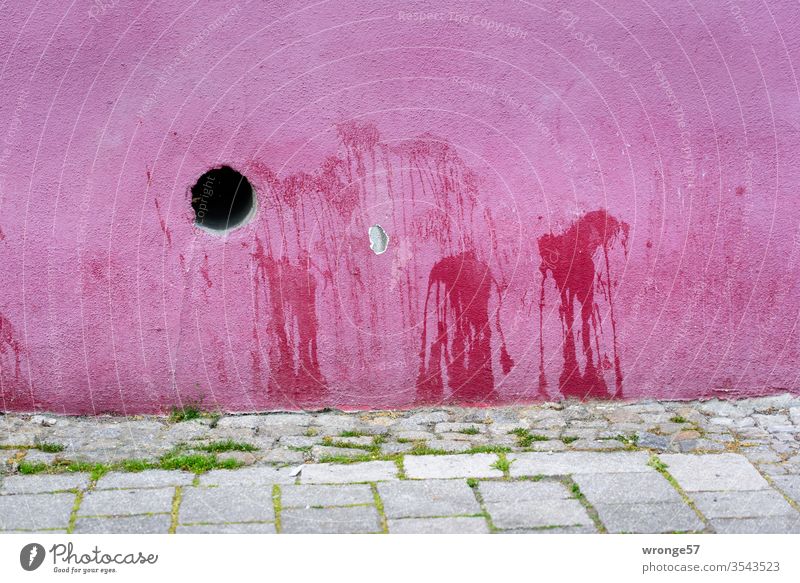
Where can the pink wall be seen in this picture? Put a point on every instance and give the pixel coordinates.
(596, 202)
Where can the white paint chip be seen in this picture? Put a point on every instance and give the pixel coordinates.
(378, 239)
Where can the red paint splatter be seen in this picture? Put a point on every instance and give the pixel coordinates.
(459, 286)
(569, 257)
(740, 190)
(204, 270)
(163, 223)
(291, 294)
(9, 344)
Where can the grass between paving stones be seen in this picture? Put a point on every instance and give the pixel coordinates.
(226, 445)
(590, 510)
(352, 433)
(173, 515)
(567, 439)
(373, 453)
(659, 466)
(379, 506)
(73, 515)
(277, 507)
(525, 438)
(678, 419)
(470, 431)
(473, 483)
(48, 447)
(193, 410)
(179, 458)
(503, 464)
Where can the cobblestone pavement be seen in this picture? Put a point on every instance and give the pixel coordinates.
(652, 467)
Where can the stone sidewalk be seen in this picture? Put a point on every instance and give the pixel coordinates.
(570, 467)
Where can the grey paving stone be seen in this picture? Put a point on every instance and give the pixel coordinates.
(522, 491)
(151, 524)
(412, 499)
(555, 530)
(123, 502)
(235, 528)
(531, 514)
(451, 525)
(477, 465)
(253, 476)
(35, 511)
(449, 445)
(226, 504)
(745, 504)
(650, 518)
(790, 485)
(713, 472)
(38, 483)
(348, 519)
(325, 495)
(572, 462)
(341, 473)
(619, 488)
(146, 479)
(761, 525)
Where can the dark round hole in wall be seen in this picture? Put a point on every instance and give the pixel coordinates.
(222, 199)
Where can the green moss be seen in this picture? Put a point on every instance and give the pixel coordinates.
(569, 439)
(678, 419)
(472, 483)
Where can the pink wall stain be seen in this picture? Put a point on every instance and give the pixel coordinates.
(560, 224)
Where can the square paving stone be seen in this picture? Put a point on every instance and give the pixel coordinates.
(146, 479)
(574, 462)
(226, 504)
(44, 483)
(747, 504)
(523, 491)
(349, 519)
(235, 528)
(621, 488)
(152, 524)
(714, 472)
(326, 495)
(761, 525)
(35, 511)
(341, 473)
(532, 514)
(649, 518)
(122, 502)
(790, 485)
(255, 476)
(452, 525)
(427, 498)
(477, 465)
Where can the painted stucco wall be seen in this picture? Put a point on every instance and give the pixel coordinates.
(581, 199)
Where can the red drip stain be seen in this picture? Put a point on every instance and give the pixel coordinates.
(292, 330)
(9, 344)
(204, 271)
(459, 287)
(2, 234)
(163, 223)
(569, 257)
